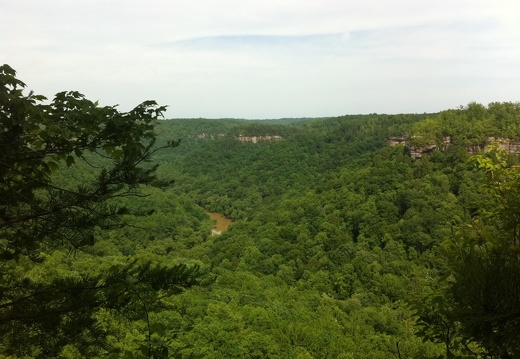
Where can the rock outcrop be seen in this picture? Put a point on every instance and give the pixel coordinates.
(252, 139)
(505, 144)
(205, 135)
(255, 139)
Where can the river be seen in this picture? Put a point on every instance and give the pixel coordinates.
(220, 222)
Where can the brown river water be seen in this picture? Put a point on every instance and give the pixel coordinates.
(220, 223)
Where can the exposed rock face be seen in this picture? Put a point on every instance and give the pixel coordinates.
(255, 139)
(394, 141)
(417, 152)
(252, 139)
(205, 135)
(505, 144)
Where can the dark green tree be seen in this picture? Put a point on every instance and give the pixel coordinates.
(476, 310)
(39, 214)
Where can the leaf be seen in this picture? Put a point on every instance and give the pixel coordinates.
(53, 166)
(131, 280)
(117, 153)
(144, 349)
(70, 161)
(158, 328)
(109, 149)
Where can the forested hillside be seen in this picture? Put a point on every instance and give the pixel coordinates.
(337, 236)
(341, 246)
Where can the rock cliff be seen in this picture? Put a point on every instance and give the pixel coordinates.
(255, 139)
(505, 144)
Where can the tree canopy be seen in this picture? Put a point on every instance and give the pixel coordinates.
(341, 245)
(39, 213)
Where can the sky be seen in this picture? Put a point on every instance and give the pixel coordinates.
(268, 58)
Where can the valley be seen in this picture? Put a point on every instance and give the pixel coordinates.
(340, 245)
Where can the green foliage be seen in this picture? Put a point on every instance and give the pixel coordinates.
(334, 233)
(475, 311)
(37, 139)
(469, 127)
(44, 316)
(45, 310)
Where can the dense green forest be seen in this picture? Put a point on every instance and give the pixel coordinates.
(341, 246)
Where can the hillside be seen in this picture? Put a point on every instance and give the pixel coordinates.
(334, 228)
(338, 247)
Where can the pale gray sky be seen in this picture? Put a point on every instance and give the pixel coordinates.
(268, 59)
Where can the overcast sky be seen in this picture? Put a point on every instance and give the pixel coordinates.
(268, 58)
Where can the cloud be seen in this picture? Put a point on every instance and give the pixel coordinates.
(258, 42)
(268, 58)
